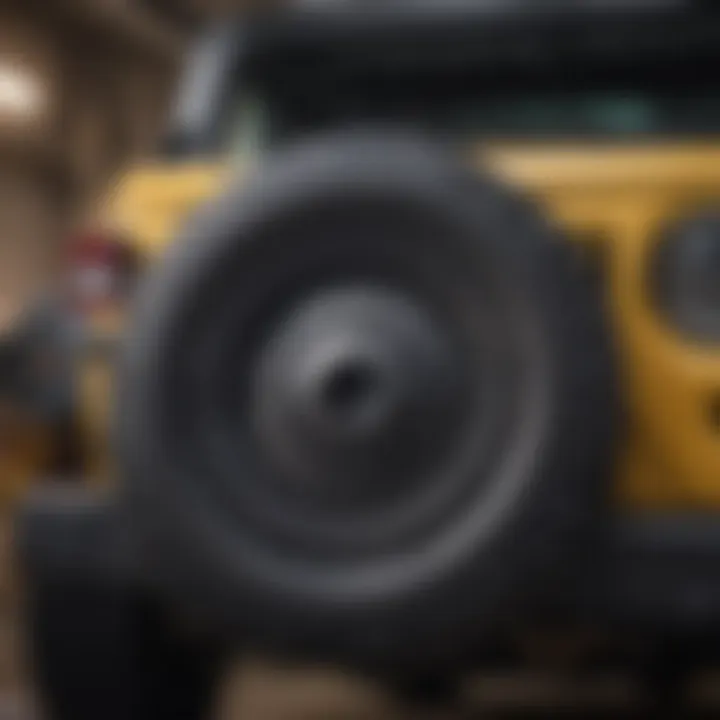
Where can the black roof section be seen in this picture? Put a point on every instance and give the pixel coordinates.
(495, 42)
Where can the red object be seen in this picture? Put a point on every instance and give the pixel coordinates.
(102, 267)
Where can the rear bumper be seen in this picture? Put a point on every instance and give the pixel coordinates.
(654, 575)
(659, 572)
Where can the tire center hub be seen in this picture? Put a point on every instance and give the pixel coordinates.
(355, 393)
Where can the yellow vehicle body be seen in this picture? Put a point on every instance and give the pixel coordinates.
(615, 200)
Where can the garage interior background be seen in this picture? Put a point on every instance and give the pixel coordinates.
(84, 89)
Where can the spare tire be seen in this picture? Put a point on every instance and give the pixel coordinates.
(366, 407)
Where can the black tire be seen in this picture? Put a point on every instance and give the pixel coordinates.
(414, 571)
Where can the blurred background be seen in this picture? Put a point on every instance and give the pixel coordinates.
(84, 87)
(84, 91)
